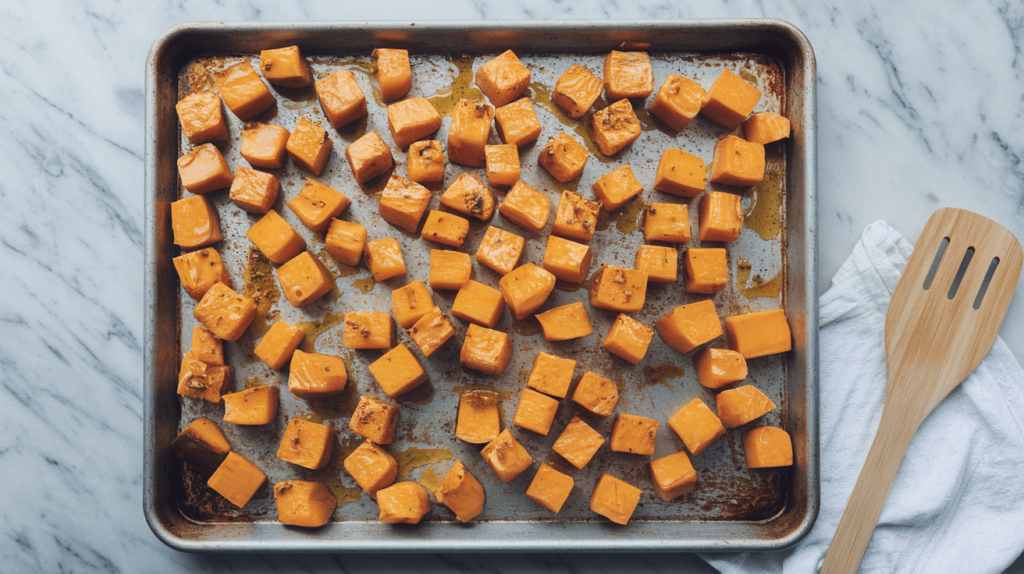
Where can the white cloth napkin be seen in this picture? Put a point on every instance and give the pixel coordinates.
(957, 504)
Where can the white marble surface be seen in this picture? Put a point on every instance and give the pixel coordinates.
(919, 107)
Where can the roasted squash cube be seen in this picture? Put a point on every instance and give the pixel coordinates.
(628, 338)
(467, 134)
(596, 394)
(503, 78)
(469, 196)
(525, 289)
(431, 331)
(567, 260)
(500, 250)
(398, 371)
(627, 75)
(673, 476)
(508, 458)
(614, 499)
(341, 98)
(199, 270)
(426, 162)
(678, 101)
(203, 169)
(316, 204)
(688, 326)
(445, 228)
(478, 421)
(206, 347)
(197, 379)
(243, 91)
(275, 238)
(739, 406)
(759, 334)
(667, 222)
(304, 279)
(449, 269)
(345, 241)
(720, 216)
(384, 259)
(615, 127)
(309, 146)
(394, 74)
(367, 330)
(737, 162)
(730, 100)
(412, 120)
(517, 122)
(526, 207)
(403, 202)
(502, 165)
(764, 128)
(255, 406)
(551, 375)
(403, 502)
(202, 445)
(224, 312)
(680, 173)
(618, 289)
(369, 157)
(535, 412)
(578, 443)
(575, 217)
(635, 434)
(237, 479)
(550, 488)
(285, 67)
(486, 350)
(410, 303)
(767, 447)
(304, 503)
(576, 90)
(461, 492)
(375, 420)
(276, 347)
(372, 467)
(201, 118)
(614, 189)
(697, 426)
(563, 157)
(565, 322)
(661, 264)
(306, 444)
(717, 368)
(707, 270)
(478, 303)
(254, 191)
(315, 376)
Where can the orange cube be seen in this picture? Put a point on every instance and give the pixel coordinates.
(767, 447)
(304, 503)
(306, 444)
(237, 479)
(517, 122)
(717, 368)
(425, 162)
(563, 157)
(199, 270)
(469, 196)
(549, 487)
(384, 259)
(526, 207)
(461, 492)
(737, 162)
(764, 128)
(551, 375)
(759, 334)
(503, 78)
(535, 412)
(372, 467)
(285, 67)
(578, 443)
(201, 118)
(398, 371)
(478, 303)
(341, 98)
(678, 101)
(576, 90)
(403, 502)
(431, 331)
(614, 499)
(394, 74)
(673, 476)
(203, 169)
(278, 241)
(502, 165)
(615, 127)
(635, 434)
(206, 347)
(197, 379)
(565, 322)
(478, 420)
(596, 394)
(449, 269)
(618, 289)
(316, 204)
(628, 339)
(345, 241)
(508, 458)
(661, 264)
(445, 228)
(741, 405)
(304, 279)
(243, 91)
(224, 312)
(367, 330)
(276, 347)
(403, 203)
(688, 326)
(614, 189)
(707, 270)
(254, 191)
(467, 134)
(668, 222)
(309, 146)
(697, 426)
(575, 217)
(369, 157)
(410, 303)
(730, 100)
(486, 350)
(316, 376)
(375, 420)
(525, 289)
(720, 216)
(680, 173)
(255, 406)
(202, 445)
(500, 250)
(412, 120)
(627, 75)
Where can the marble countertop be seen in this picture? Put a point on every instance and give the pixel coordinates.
(919, 107)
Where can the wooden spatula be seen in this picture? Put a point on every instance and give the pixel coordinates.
(943, 318)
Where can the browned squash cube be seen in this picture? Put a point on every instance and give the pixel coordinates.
(720, 216)
(202, 445)
(576, 90)
(635, 434)
(316, 204)
(369, 157)
(669, 222)
(384, 259)
(614, 499)
(737, 162)
(410, 303)
(372, 467)
(304, 279)
(367, 330)
(469, 196)
(276, 347)
(403, 502)
(717, 368)
(255, 406)
(707, 270)
(254, 191)
(243, 91)
(551, 375)
(285, 67)
(503, 78)
(578, 443)
(341, 98)
(206, 347)
(730, 100)
(525, 289)
(345, 241)
(445, 228)
(596, 394)
(224, 312)
(403, 202)
(486, 350)
(678, 101)
(467, 134)
(275, 238)
(398, 371)
(478, 303)
(661, 264)
(500, 250)
(394, 74)
(765, 127)
(203, 169)
(461, 492)
(618, 289)
(550, 488)
(628, 338)
(575, 217)
(237, 479)
(478, 421)
(627, 75)
(517, 122)
(565, 322)
(199, 270)
(375, 420)
(412, 120)
(201, 118)
(567, 260)
(431, 331)
(697, 426)
(264, 145)
(673, 476)
(502, 165)
(563, 157)
(306, 444)
(304, 503)
(739, 406)
(316, 376)
(508, 458)
(449, 269)
(526, 207)
(535, 412)
(197, 379)
(688, 326)
(426, 162)
(680, 173)
(615, 127)
(309, 146)
(614, 189)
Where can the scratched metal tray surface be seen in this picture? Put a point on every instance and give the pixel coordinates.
(772, 265)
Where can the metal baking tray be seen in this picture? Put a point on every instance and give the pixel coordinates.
(773, 265)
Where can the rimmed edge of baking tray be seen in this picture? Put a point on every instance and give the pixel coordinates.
(772, 37)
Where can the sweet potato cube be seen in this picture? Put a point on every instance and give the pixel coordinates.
(243, 91)
(384, 259)
(526, 207)
(341, 98)
(635, 434)
(508, 458)
(737, 162)
(628, 338)
(517, 122)
(575, 217)
(309, 146)
(197, 379)
(306, 444)
(500, 250)
(276, 347)
(730, 100)
(618, 289)
(275, 238)
(255, 406)
(614, 499)
(394, 74)
(449, 269)
(254, 191)
(461, 492)
(203, 446)
(369, 157)
(688, 326)
(578, 443)
(478, 303)
(614, 189)
(717, 368)
(467, 134)
(316, 376)
(431, 331)
(627, 75)
(576, 90)
(425, 162)
(206, 347)
(720, 216)
(551, 375)
(304, 503)
(486, 350)
(615, 127)
(535, 412)
(667, 222)
(565, 322)
(403, 203)
(372, 467)
(375, 420)
(767, 447)
(567, 260)
(199, 270)
(412, 120)
(445, 228)
(759, 334)
(203, 169)
(680, 173)
(398, 371)
(673, 476)
(661, 264)
(503, 78)
(596, 394)
(478, 420)
(525, 289)
(304, 279)
(224, 312)
(549, 487)
(563, 157)
(707, 270)
(403, 502)
(367, 330)
(201, 118)
(345, 241)
(237, 479)
(739, 406)
(678, 101)
(502, 165)
(285, 67)
(765, 127)
(316, 204)
(697, 426)
(410, 303)
(469, 196)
